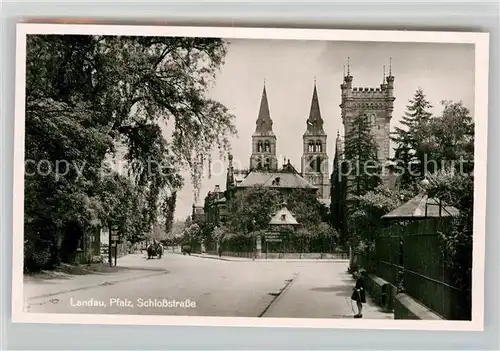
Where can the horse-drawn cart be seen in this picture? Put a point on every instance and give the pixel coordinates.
(155, 250)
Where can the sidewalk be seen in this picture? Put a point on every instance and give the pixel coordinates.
(318, 293)
(245, 259)
(51, 283)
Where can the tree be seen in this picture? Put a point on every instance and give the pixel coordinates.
(168, 209)
(338, 196)
(305, 207)
(361, 171)
(410, 140)
(251, 209)
(457, 190)
(454, 189)
(158, 233)
(219, 232)
(451, 138)
(361, 157)
(88, 95)
(365, 219)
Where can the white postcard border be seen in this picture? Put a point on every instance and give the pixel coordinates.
(481, 41)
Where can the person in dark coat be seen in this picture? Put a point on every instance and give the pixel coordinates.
(359, 292)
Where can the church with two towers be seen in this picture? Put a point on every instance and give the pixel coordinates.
(264, 168)
(314, 172)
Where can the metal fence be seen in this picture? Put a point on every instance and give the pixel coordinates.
(297, 244)
(282, 246)
(410, 256)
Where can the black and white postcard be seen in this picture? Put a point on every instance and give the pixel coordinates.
(250, 177)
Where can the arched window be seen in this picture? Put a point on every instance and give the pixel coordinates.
(318, 146)
(259, 163)
(259, 146)
(318, 164)
(267, 146)
(312, 165)
(311, 146)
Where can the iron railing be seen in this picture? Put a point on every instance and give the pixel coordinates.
(411, 257)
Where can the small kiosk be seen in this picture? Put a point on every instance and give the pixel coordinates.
(281, 225)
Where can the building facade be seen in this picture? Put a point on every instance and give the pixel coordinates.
(264, 169)
(375, 103)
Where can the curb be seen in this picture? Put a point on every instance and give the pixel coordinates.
(326, 260)
(281, 293)
(98, 285)
(213, 258)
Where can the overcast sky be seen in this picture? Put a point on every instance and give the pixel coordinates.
(443, 71)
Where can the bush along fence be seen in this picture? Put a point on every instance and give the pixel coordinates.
(415, 259)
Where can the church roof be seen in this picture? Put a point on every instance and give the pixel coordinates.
(283, 217)
(275, 180)
(315, 122)
(264, 124)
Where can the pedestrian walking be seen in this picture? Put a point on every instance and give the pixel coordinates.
(359, 292)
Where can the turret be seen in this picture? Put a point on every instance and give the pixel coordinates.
(230, 173)
(390, 83)
(338, 147)
(346, 85)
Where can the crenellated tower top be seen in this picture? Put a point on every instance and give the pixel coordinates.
(377, 103)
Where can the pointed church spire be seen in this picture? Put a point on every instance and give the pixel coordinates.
(315, 122)
(264, 122)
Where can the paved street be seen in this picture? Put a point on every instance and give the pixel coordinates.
(196, 286)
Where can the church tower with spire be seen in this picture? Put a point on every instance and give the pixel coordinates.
(263, 139)
(314, 156)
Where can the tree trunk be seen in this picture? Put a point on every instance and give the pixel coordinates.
(72, 235)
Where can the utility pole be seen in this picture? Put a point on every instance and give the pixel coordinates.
(110, 257)
(116, 250)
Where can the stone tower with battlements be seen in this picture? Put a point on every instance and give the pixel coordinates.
(263, 139)
(314, 165)
(376, 103)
